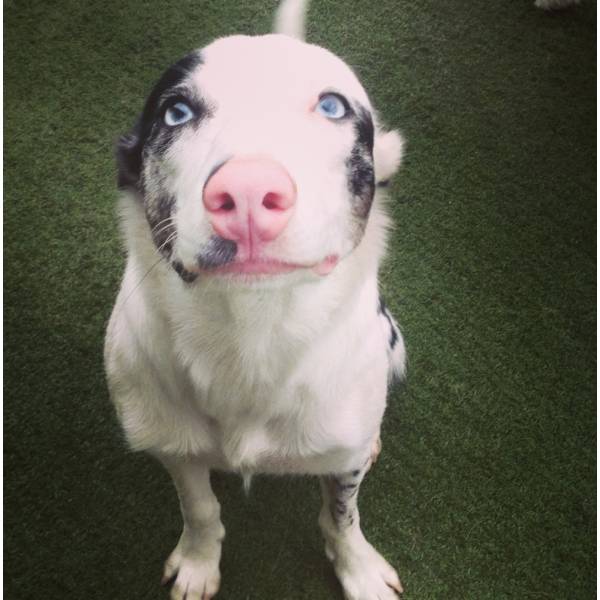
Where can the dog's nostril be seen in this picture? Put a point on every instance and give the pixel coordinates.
(272, 201)
(226, 203)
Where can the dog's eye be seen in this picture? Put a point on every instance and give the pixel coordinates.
(331, 106)
(178, 114)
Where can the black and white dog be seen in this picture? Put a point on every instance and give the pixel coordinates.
(248, 334)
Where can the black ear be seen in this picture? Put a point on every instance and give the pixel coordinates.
(129, 159)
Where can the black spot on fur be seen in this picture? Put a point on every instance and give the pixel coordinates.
(361, 173)
(348, 486)
(365, 132)
(160, 219)
(129, 160)
(361, 182)
(216, 253)
(186, 275)
(393, 338)
(382, 310)
(341, 491)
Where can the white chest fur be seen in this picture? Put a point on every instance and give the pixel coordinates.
(286, 378)
(285, 374)
(283, 379)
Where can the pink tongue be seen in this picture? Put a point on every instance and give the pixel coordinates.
(326, 266)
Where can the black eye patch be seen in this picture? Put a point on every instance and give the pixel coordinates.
(359, 165)
(162, 134)
(365, 132)
(130, 147)
(168, 88)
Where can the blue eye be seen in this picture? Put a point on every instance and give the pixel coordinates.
(331, 106)
(178, 114)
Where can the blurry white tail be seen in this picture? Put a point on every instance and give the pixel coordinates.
(290, 18)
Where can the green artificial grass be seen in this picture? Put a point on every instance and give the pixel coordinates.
(486, 485)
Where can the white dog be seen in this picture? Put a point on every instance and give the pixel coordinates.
(248, 334)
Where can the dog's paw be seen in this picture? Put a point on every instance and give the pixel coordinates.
(196, 577)
(366, 575)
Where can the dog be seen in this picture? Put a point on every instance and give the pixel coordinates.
(248, 334)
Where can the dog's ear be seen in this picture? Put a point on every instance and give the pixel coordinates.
(387, 155)
(129, 159)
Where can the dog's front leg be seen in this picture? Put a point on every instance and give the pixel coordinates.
(195, 560)
(362, 571)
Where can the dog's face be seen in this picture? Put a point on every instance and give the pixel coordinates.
(254, 157)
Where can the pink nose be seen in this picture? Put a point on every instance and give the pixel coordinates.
(249, 201)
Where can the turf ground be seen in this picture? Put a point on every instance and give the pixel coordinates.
(486, 485)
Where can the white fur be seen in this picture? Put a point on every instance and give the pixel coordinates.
(259, 111)
(389, 148)
(280, 375)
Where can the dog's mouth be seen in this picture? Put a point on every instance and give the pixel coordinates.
(275, 267)
(265, 267)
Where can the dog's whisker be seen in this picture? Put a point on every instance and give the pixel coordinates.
(147, 273)
(169, 239)
(168, 221)
(137, 285)
(165, 228)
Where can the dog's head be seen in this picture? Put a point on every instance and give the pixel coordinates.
(255, 157)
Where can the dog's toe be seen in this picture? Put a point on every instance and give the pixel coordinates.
(196, 577)
(171, 567)
(196, 580)
(366, 575)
